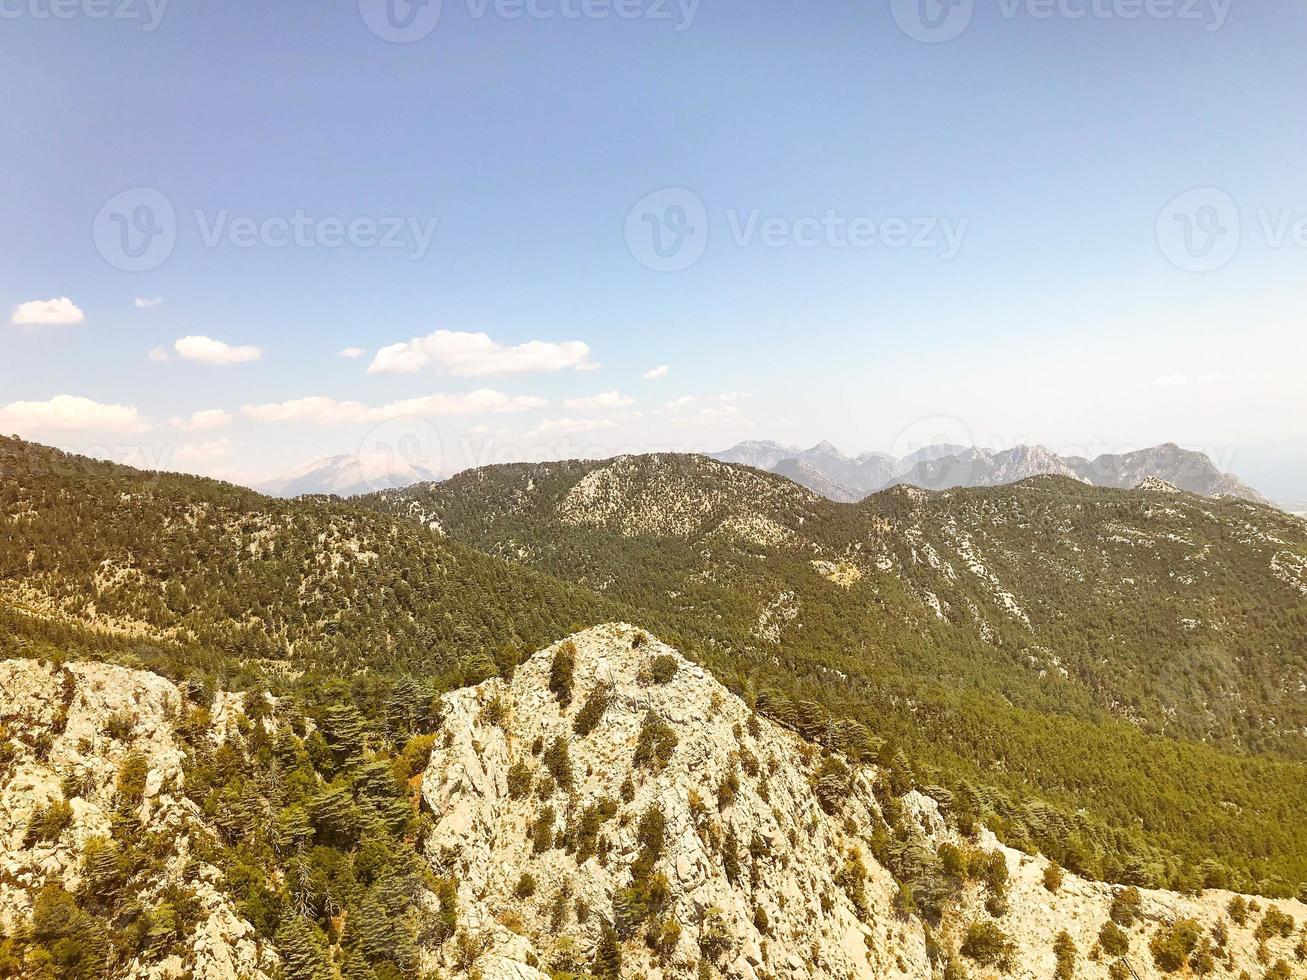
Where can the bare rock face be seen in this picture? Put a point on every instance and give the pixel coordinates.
(69, 731)
(633, 802)
(792, 900)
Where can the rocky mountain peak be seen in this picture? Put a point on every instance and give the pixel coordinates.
(613, 802)
(1156, 484)
(618, 778)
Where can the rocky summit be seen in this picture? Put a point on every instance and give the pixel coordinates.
(609, 810)
(91, 752)
(613, 802)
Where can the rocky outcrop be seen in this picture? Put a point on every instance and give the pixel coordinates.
(612, 801)
(781, 906)
(544, 805)
(69, 730)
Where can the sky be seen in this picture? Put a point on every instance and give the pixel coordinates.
(235, 237)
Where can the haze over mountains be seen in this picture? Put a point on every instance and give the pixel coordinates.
(348, 475)
(827, 471)
(830, 473)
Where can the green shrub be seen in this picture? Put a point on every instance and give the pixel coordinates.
(542, 831)
(1172, 945)
(132, 773)
(1114, 940)
(987, 944)
(1064, 948)
(526, 886)
(596, 703)
(1126, 907)
(655, 744)
(1238, 909)
(47, 823)
(1275, 924)
(558, 760)
(560, 673)
(662, 668)
(1053, 877)
(519, 780)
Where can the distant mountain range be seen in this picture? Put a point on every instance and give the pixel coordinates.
(827, 471)
(347, 476)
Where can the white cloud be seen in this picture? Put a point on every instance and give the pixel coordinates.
(70, 412)
(326, 411)
(707, 408)
(657, 374)
(566, 426)
(59, 312)
(471, 355)
(484, 401)
(320, 409)
(607, 399)
(210, 351)
(688, 401)
(352, 353)
(199, 453)
(159, 355)
(146, 302)
(722, 413)
(205, 420)
(1183, 380)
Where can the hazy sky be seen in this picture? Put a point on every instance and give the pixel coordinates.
(1081, 223)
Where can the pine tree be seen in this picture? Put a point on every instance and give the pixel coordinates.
(344, 731)
(607, 963)
(302, 949)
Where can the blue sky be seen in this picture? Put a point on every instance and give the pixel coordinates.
(1032, 158)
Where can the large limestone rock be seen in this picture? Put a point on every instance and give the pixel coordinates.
(74, 725)
(787, 911)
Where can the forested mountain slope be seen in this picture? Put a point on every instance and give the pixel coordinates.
(949, 634)
(318, 582)
(1183, 614)
(1119, 651)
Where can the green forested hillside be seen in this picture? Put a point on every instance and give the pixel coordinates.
(316, 583)
(1138, 658)
(1146, 730)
